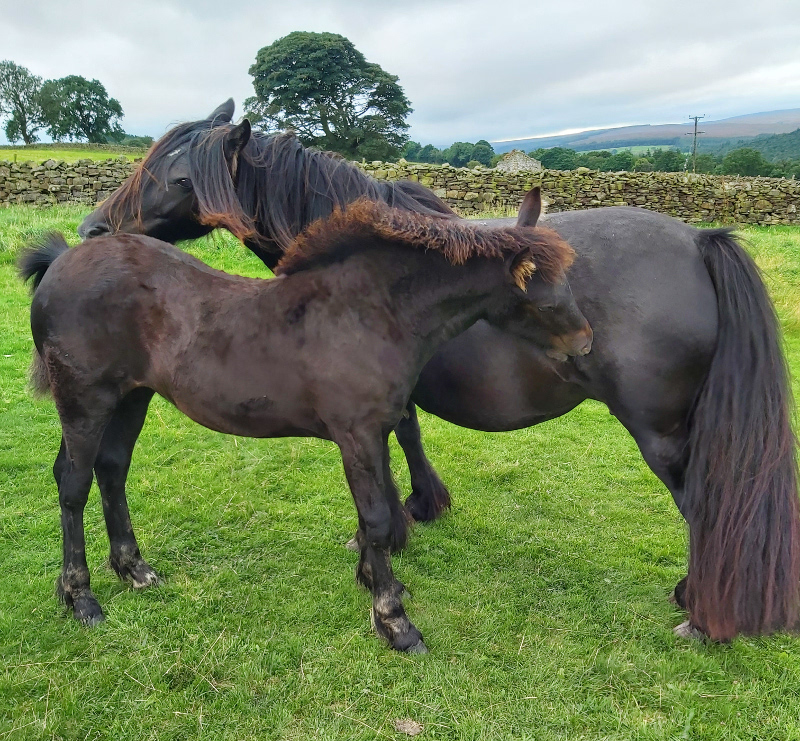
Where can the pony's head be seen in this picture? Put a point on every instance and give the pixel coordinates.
(166, 198)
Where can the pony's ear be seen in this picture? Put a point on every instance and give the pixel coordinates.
(234, 142)
(531, 208)
(223, 113)
(521, 267)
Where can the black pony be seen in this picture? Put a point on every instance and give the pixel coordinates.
(687, 350)
(331, 349)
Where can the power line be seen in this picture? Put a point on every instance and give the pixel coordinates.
(694, 143)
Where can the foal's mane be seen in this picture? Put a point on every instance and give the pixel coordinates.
(365, 224)
(281, 186)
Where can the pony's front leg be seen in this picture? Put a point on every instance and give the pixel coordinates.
(429, 496)
(382, 526)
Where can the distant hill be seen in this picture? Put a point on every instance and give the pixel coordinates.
(774, 148)
(742, 129)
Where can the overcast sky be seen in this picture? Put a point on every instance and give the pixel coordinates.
(471, 69)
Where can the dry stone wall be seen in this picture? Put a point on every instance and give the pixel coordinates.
(85, 181)
(689, 197)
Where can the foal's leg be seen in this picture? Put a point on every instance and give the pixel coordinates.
(382, 526)
(429, 496)
(82, 430)
(111, 468)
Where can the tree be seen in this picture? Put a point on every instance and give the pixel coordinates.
(411, 151)
(483, 152)
(20, 99)
(745, 161)
(706, 163)
(595, 160)
(458, 153)
(321, 86)
(431, 154)
(621, 161)
(77, 108)
(556, 158)
(668, 160)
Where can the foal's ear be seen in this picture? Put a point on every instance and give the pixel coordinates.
(531, 208)
(223, 113)
(521, 267)
(234, 142)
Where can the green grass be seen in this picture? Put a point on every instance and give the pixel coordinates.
(67, 155)
(542, 595)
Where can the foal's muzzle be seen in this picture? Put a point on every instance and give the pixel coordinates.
(570, 345)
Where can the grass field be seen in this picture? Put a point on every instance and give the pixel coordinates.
(542, 595)
(67, 155)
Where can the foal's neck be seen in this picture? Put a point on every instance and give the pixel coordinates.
(436, 299)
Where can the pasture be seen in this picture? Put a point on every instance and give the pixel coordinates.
(542, 594)
(72, 154)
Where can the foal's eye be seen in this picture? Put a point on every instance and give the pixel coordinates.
(184, 183)
(546, 308)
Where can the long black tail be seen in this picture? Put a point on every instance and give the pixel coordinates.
(741, 481)
(33, 264)
(34, 261)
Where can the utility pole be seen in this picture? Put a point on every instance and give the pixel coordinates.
(694, 143)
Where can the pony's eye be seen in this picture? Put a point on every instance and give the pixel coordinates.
(184, 183)
(546, 308)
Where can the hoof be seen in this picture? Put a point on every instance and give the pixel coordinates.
(418, 648)
(87, 611)
(678, 596)
(399, 632)
(138, 573)
(688, 631)
(353, 544)
(427, 505)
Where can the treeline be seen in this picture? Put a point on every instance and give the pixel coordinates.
(71, 108)
(459, 154)
(743, 161)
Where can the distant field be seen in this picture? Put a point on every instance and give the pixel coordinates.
(20, 154)
(637, 151)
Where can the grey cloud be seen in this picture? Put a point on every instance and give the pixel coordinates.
(471, 69)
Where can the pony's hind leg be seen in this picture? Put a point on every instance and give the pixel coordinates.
(666, 455)
(429, 496)
(111, 468)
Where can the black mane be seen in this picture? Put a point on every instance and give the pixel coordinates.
(281, 186)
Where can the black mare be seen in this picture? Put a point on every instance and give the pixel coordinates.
(687, 350)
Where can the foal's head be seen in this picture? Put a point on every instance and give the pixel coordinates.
(167, 198)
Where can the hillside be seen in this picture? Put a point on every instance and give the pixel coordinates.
(774, 148)
(738, 130)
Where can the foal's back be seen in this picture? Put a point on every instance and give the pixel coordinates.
(245, 356)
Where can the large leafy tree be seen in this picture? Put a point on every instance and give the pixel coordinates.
(745, 161)
(459, 153)
(483, 152)
(77, 108)
(321, 86)
(20, 101)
